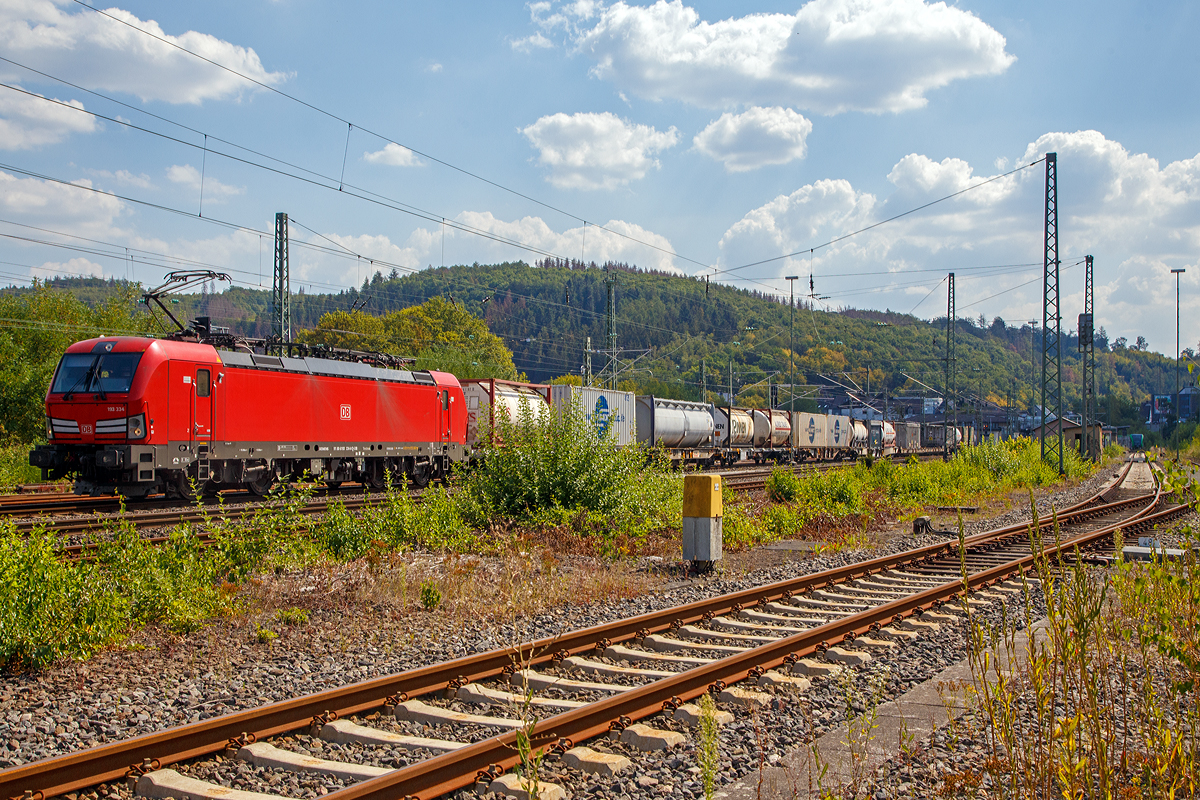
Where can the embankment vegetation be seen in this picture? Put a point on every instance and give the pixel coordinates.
(839, 505)
(1105, 700)
(560, 486)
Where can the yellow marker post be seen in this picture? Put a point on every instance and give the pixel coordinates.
(702, 518)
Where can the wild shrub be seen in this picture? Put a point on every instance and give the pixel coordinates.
(560, 461)
(49, 609)
(14, 466)
(292, 616)
(782, 485)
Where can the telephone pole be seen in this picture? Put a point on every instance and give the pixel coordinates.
(587, 363)
(1177, 273)
(610, 283)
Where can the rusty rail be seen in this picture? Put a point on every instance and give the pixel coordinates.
(98, 765)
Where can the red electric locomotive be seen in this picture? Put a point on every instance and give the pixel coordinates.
(137, 416)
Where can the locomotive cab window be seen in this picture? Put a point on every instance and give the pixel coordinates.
(203, 383)
(446, 399)
(99, 372)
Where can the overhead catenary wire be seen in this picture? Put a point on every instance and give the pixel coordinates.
(874, 225)
(384, 138)
(412, 209)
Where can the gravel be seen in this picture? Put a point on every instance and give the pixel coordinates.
(159, 681)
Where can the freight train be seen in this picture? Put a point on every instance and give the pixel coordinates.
(140, 416)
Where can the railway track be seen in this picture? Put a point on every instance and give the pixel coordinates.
(608, 678)
(102, 513)
(39, 500)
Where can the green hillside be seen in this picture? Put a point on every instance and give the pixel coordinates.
(676, 333)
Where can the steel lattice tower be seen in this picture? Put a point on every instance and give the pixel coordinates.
(947, 430)
(1087, 345)
(611, 319)
(1051, 322)
(281, 284)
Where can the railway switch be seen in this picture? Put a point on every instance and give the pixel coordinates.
(702, 519)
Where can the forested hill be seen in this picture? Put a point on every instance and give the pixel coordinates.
(545, 314)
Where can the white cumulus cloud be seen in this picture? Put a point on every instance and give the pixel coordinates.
(214, 190)
(596, 151)
(123, 177)
(393, 155)
(536, 41)
(756, 138)
(58, 206)
(829, 57)
(1138, 217)
(29, 122)
(73, 268)
(100, 52)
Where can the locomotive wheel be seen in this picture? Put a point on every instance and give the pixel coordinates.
(375, 481)
(421, 475)
(186, 487)
(262, 486)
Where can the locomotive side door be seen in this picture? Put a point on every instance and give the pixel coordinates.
(202, 418)
(444, 415)
(202, 415)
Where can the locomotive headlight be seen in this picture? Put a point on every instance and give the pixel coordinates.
(135, 427)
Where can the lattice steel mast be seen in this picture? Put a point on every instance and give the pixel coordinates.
(1087, 345)
(1051, 322)
(947, 430)
(281, 284)
(610, 283)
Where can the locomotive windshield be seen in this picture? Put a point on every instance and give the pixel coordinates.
(95, 372)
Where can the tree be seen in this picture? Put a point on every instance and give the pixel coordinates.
(1142, 344)
(40, 325)
(439, 334)
(1120, 343)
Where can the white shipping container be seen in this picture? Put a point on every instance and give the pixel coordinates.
(613, 413)
(781, 428)
(808, 431)
(908, 436)
(838, 431)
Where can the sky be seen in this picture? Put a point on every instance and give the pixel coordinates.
(745, 142)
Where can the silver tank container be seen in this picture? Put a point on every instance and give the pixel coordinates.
(673, 423)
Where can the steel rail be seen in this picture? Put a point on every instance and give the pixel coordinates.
(460, 768)
(63, 774)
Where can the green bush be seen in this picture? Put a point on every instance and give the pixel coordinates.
(846, 492)
(14, 466)
(562, 462)
(783, 485)
(50, 609)
(431, 595)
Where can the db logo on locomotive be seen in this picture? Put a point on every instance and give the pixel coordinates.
(345, 411)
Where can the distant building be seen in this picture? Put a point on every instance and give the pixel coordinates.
(1073, 433)
(1189, 403)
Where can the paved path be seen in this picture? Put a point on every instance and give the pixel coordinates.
(849, 752)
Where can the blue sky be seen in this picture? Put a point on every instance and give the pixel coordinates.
(708, 136)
